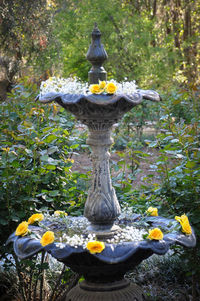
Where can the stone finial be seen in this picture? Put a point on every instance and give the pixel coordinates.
(96, 55)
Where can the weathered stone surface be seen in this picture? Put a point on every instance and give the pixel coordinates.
(118, 291)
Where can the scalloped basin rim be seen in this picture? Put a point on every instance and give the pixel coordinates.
(26, 247)
(100, 99)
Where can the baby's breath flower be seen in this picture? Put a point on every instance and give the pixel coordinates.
(75, 86)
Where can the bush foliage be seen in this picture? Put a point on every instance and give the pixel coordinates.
(37, 144)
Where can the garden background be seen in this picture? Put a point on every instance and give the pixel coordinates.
(156, 154)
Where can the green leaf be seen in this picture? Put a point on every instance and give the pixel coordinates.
(52, 150)
(190, 164)
(50, 167)
(3, 221)
(54, 193)
(174, 141)
(153, 144)
(49, 138)
(73, 146)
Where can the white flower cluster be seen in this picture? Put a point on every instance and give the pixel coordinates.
(63, 85)
(75, 86)
(129, 233)
(125, 87)
(74, 231)
(76, 240)
(125, 211)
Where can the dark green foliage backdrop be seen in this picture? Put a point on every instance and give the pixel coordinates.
(154, 42)
(35, 168)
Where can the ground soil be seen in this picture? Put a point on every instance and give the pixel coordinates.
(83, 164)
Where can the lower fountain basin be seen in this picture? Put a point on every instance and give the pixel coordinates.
(114, 261)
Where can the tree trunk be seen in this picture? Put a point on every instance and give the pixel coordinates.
(8, 69)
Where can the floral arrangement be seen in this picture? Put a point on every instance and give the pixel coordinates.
(103, 87)
(75, 86)
(157, 234)
(88, 241)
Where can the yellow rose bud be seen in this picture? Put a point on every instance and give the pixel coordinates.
(183, 220)
(6, 149)
(155, 234)
(95, 89)
(55, 109)
(95, 246)
(102, 84)
(47, 238)
(111, 88)
(22, 229)
(60, 213)
(35, 218)
(152, 211)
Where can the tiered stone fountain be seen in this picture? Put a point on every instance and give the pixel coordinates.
(103, 272)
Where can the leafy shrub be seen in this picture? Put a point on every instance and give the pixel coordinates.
(36, 159)
(40, 278)
(178, 167)
(131, 127)
(171, 284)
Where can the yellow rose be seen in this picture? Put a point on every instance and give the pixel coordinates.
(152, 211)
(47, 238)
(22, 229)
(60, 213)
(6, 149)
(95, 89)
(55, 109)
(155, 234)
(183, 220)
(102, 84)
(111, 88)
(95, 246)
(37, 217)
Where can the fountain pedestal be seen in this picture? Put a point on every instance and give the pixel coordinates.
(102, 207)
(112, 291)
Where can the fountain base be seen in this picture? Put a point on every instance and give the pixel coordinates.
(104, 231)
(116, 291)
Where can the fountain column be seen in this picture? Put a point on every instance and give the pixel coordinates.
(102, 207)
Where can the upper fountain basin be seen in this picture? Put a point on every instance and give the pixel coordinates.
(99, 106)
